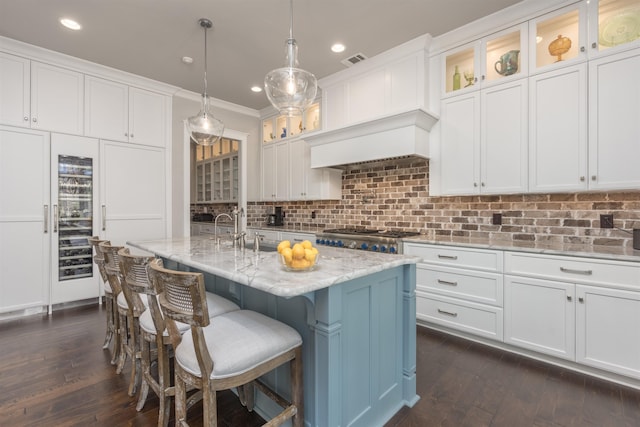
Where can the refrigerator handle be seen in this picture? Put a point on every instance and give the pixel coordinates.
(55, 218)
(46, 219)
(104, 217)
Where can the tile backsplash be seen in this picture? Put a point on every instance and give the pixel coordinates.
(394, 195)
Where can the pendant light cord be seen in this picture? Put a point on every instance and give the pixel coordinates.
(205, 62)
(291, 19)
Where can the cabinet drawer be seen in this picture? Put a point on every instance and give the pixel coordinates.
(270, 236)
(470, 285)
(574, 269)
(478, 259)
(477, 319)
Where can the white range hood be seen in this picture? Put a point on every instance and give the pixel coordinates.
(399, 135)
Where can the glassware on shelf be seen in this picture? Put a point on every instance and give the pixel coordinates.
(456, 79)
(559, 47)
(469, 77)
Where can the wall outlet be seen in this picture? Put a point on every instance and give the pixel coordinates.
(497, 219)
(606, 221)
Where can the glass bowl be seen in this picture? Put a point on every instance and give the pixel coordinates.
(299, 265)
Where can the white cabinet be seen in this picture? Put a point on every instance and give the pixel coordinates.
(459, 288)
(40, 96)
(15, 90)
(25, 226)
(575, 308)
(119, 112)
(540, 316)
(484, 141)
(307, 183)
(133, 192)
(614, 121)
(558, 130)
(275, 171)
(281, 127)
(607, 331)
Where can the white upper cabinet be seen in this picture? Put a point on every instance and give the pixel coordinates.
(558, 38)
(15, 90)
(494, 59)
(558, 130)
(40, 96)
(307, 183)
(119, 112)
(614, 121)
(613, 26)
(57, 99)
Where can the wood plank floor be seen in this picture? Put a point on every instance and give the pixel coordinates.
(53, 372)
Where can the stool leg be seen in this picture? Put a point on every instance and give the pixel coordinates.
(108, 301)
(116, 333)
(124, 343)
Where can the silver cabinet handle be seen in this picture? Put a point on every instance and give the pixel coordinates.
(581, 299)
(448, 313)
(572, 271)
(593, 177)
(104, 217)
(447, 256)
(26, 119)
(582, 178)
(35, 120)
(582, 49)
(55, 218)
(446, 282)
(569, 298)
(594, 45)
(46, 219)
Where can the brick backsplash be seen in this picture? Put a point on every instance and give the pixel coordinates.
(394, 195)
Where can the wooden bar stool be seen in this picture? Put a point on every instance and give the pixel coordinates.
(112, 316)
(155, 342)
(230, 350)
(129, 306)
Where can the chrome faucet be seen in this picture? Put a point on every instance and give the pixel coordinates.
(215, 227)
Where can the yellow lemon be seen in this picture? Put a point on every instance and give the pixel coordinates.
(314, 249)
(306, 244)
(298, 251)
(283, 244)
(299, 263)
(310, 255)
(287, 254)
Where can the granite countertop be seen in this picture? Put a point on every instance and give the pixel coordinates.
(263, 270)
(617, 253)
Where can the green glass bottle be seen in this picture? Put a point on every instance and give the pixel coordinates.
(456, 79)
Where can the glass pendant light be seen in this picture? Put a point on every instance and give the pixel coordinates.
(290, 89)
(203, 127)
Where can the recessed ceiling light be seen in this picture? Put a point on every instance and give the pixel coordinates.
(337, 48)
(187, 60)
(70, 24)
(256, 89)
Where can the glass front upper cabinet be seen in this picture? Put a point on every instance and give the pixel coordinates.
(613, 23)
(280, 127)
(493, 59)
(558, 38)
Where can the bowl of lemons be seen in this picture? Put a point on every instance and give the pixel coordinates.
(299, 257)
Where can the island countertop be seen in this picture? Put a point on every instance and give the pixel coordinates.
(263, 270)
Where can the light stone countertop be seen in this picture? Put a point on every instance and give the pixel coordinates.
(263, 270)
(616, 253)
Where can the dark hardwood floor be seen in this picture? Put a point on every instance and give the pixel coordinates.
(53, 372)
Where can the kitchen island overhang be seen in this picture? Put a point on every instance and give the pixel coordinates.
(355, 312)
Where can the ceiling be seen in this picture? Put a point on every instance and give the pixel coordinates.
(149, 37)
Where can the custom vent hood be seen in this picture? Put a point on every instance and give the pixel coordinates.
(399, 135)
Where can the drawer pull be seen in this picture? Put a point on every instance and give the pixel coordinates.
(447, 256)
(570, 270)
(448, 313)
(446, 282)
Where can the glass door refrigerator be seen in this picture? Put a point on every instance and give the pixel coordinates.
(74, 161)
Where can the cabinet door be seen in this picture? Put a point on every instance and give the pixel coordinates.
(614, 121)
(504, 138)
(57, 99)
(14, 90)
(608, 336)
(298, 167)
(147, 117)
(106, 109)
(558, 130)
(133, 192)
(613, 26)
(460, 144)
(25, 227)
(268, 172)
(282, 171)
(540, 316)
(200, 182)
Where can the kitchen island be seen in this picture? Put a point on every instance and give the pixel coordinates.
(355, 313)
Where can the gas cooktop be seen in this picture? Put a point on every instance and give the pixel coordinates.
(365, 232)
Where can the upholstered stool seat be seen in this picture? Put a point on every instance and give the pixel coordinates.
(238, 342)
